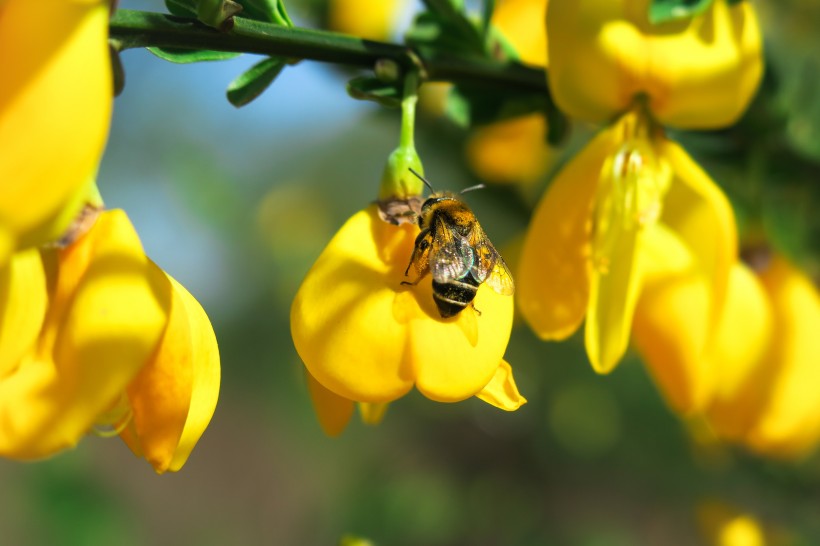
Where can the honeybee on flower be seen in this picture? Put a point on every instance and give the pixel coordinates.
(454, 249)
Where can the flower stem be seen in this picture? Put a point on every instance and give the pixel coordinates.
(132, 29)
(408, 109)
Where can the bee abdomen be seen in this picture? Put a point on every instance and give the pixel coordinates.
(452, 297)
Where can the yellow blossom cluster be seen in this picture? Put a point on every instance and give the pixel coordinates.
(93, 335)
(632, 238)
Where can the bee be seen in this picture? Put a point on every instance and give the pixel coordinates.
(453, 248)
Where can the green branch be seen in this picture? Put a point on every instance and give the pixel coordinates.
(132, 29)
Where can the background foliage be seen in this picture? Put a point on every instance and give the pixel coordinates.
(237, 204)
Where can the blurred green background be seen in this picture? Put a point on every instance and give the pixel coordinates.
(236, 204)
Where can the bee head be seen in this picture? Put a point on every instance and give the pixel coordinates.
(435, 199)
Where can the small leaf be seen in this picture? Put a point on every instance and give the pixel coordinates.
(664, 11)
(185, 56)
(254, 81)
(181, 8)
(365, 88)
(487, 15)
(445, 27)
(269, 11)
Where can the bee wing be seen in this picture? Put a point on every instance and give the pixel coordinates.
(490, 267)
(451, 260)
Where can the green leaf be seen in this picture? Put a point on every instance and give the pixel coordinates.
(269, 11)
(182, 8)
(445, 28)
(366, 88)
(487, 15)
(185, 56)
(254, 81)
(664, 11)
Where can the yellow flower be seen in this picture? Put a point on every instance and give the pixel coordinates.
(696, 73)
(592, 236)
(96, 334)
(73, 360)
(55, 108)
(364, 337)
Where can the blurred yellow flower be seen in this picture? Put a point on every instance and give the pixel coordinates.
(55, 108)
(725, 525)
(513, 151)
(700, 72)
(594, 232)
(364, 337)
(522, 24)
(760, 368)
(767, 399)
(371, 19)
(96, 334)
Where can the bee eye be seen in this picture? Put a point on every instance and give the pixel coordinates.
(423, 245)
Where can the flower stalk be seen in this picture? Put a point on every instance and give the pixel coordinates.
(133, 29)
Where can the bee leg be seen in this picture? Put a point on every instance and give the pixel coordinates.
(414, 283)
(475, 308)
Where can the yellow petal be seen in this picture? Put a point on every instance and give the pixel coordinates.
(55, 107)
(342, 318)
(502, 391)
(670, 326)
(23, 301)
(790, 424)
(510, 151)
(522, 23)
(699, 72)
(174, 395)
(553, 276)
(104, 320)
(698, 211)
(372, 414)
(612, 299)
(455, 358)
(334, 411)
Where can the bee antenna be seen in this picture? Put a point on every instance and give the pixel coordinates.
(471, 188)
(426, 183)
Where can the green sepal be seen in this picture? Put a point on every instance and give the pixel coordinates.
(367, 88)
(217, 13)
(398, 182)
(251, 83)
(664, 11)
(468, 106)
(185, 56)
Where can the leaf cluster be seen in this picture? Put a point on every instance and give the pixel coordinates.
(251, 83)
